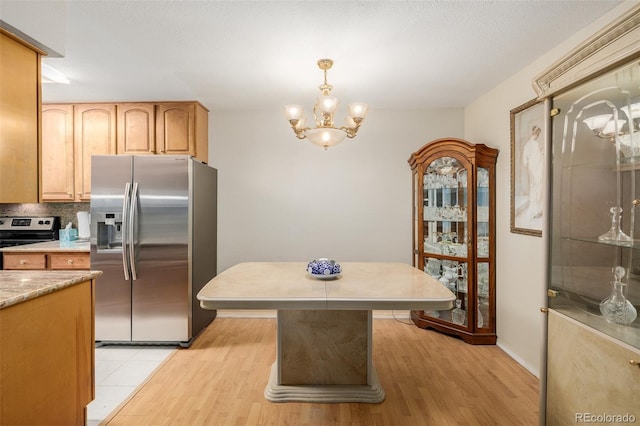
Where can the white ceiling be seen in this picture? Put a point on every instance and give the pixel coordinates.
(238, 55)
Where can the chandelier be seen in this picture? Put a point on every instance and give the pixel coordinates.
(325, 134)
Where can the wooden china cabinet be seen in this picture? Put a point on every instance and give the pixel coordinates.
(454, 234)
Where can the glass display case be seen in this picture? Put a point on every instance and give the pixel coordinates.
(454, 234)
(595, 246)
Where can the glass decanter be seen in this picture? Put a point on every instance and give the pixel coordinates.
(615, 233)
(616, 308)
(458, 314)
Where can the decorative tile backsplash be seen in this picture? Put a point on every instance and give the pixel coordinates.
(66, 211)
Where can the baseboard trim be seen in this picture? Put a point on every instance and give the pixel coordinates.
(270, 313)
(519, 360)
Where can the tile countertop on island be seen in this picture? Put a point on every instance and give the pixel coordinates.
(50, 246)
(19, 286)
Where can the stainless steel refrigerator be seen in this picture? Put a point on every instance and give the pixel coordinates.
(154, 236)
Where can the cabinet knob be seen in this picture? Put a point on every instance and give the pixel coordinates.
(70, 261)
(634, 362)
(23, 262)
(544, 310)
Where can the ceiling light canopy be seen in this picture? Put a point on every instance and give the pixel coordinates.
(325, 134)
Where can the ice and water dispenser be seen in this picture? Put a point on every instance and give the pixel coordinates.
(109, 232)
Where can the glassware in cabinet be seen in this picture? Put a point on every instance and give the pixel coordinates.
(595, 251)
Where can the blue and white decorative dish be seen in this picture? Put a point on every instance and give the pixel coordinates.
(324, 269)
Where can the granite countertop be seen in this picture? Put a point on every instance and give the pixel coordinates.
(49, 246)
(20, 286)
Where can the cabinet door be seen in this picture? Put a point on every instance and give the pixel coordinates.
(589, 374)
(175, 128)
(595, 250)
(94, 133)
(136, 128)
(19, 109)
(57, 153)
(48, 359)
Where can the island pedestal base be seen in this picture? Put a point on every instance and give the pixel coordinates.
(324, 356)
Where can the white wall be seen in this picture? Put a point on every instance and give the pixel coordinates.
(521, 286)
(282, 199)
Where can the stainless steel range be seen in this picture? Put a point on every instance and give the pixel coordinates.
(19, 230)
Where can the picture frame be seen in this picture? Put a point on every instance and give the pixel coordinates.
(528, 164)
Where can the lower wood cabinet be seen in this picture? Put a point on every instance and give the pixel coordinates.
(47, 353)
(69, 260)
(46, 260)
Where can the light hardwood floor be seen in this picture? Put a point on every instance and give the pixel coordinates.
(429, 379)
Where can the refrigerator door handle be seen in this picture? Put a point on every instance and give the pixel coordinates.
(125, 228)
(132, 216)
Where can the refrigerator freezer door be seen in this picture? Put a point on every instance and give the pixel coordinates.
(109, 178)
(160, 292)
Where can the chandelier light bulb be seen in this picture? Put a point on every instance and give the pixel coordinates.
(293, 112)
(328, 104)
(358, 109)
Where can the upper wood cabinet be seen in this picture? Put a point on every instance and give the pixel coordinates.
(136, 128)
(58, 180)
(72, 133)
(19, 120)
(94, 133)
(182, 128)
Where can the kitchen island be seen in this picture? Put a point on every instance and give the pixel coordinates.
(324, 350)
(46, 346)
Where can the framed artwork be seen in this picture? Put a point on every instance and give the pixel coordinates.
(528, 161)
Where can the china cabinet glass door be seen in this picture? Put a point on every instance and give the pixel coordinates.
(445, 212)
(595, 252)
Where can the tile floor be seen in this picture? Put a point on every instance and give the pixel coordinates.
(119, 371)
